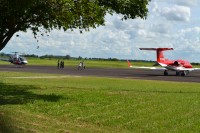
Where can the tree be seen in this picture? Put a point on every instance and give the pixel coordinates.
(42, 16)
(67, 57)
(80, 58)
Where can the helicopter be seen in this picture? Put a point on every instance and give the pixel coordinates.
(16, 59)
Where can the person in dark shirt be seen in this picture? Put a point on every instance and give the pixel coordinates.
(58, 64)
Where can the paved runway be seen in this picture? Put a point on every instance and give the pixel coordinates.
(194, 76)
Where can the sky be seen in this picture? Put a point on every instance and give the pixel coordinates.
(170, 23)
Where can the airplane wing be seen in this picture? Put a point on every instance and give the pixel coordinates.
(190, 69)
(142, 67)
(196, 69)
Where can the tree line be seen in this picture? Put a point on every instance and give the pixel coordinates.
(68, 57)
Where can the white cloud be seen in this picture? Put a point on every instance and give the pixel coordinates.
(176, 13)
(191, 30)
(187, 2)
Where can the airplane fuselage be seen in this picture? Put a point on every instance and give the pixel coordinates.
(182, 67)
(183, 63)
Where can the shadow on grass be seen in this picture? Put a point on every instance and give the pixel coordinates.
(18, 95)
(21, 94)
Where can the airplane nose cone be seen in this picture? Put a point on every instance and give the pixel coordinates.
(25, 62)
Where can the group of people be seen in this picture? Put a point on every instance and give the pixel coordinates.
(61, 64)
(81, 66)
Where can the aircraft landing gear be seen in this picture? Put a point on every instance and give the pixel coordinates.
(177, 73)
(182, 73)
(187, 72)
(165, 73)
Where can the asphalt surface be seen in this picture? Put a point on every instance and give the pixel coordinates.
(194, 76)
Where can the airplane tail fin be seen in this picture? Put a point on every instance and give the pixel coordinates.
(159, 52)
(129, 63)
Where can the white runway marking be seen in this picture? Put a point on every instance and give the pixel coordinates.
(40, 77)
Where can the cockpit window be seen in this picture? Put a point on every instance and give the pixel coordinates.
(22, 58)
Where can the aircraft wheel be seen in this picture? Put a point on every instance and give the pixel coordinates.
(183, 73)
(165, 73)
(177, 73)
(187, 72)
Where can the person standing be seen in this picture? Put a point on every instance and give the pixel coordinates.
(58, 64)
(80, 66)
(63, 64)
(83, 65)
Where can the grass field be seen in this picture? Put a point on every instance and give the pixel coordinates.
(88, 63)
(56, 104)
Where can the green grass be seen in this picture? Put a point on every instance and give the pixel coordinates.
(88, 63)
(88, 104)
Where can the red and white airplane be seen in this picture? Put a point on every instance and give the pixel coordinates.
(181, 67)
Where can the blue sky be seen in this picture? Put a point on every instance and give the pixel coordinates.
(170, 23)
